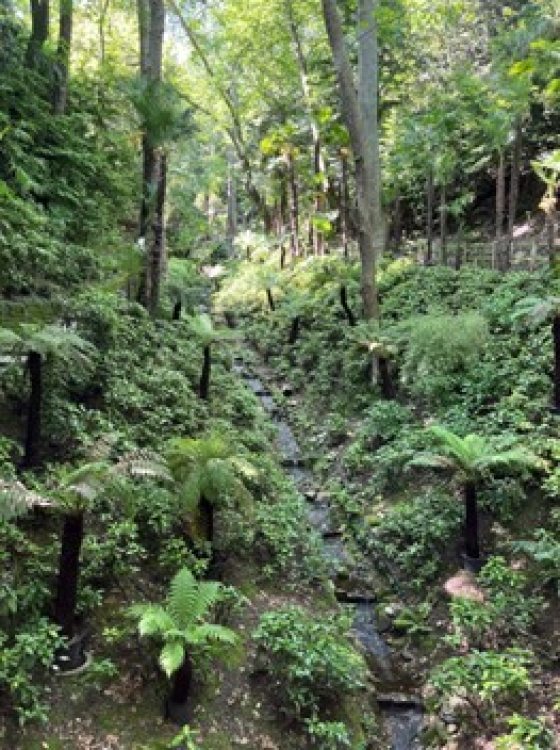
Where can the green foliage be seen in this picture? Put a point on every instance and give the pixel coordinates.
(441, 350)
(503, 617)
(309, 659)
(485, 679)
(526, 734)
(182, 622)
(410, 537)
(473, 456)
(31, 649)
(544, 550)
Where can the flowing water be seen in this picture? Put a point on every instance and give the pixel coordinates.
(402, 714)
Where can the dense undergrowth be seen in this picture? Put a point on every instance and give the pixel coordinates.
(460, 353)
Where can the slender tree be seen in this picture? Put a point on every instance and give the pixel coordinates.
(61, 68)
(364, 166)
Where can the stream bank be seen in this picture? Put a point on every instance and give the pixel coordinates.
(402, 713)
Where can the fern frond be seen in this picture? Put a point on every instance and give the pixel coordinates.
(209, 593)
(16, 499)
(210, 633)
(143, 464)
(152, 619)
(172, 657)
(183, 596)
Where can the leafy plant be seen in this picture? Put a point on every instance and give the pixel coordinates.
(471, 458)
(183, 627)
(526, 734)
(309, 659)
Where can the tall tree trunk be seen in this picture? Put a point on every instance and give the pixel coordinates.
(500, 205)
(429, 216)
(204, 385)
(364, 167)
(157, 258)
(344, 203)
(472, 547)
(177, 310)
(368, 91)
(69, 572)
(151, 24)
(385, 379)
(294, 330)
(443, 224)
(318, 160)
(40, 17)
(294, 204)
(60, 94)
(556, 342)
(231, 205)
(513, 193)
(33, 435)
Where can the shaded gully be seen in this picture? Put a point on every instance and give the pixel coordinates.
(402, 713)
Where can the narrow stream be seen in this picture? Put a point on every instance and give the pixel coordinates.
(402, 714)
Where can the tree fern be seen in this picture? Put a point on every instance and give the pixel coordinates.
(182, 621)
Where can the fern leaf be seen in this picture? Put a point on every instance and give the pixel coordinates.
(211, 633)
(183, 595)
(172, 657)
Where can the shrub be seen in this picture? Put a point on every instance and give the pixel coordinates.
(411, 536)
(504, 616)
(309, 659)
(485, 680)
(526, 734)
(441, 349)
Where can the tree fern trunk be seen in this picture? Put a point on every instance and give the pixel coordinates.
(207, 515)
(270, 299)
(344, 302)
(294, 330)
(385, 380)
(472, 547)
(176, 708)
(33, 436)
(68, 572)
(177, 309)
(204, 386)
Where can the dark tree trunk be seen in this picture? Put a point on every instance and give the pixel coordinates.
(33, 436)
(282, 257)
(429, 217)
(345, 306)
(69, 572)
(556, 340)
(385, 379)
(344, 203)
(177, 310)
(156, 261)
(176, 707)
(270, 299)
(207, 516)
(204, 386)
(60, 94)
(294, 330)
(443, 224)
(472, 547)
(40, 13)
